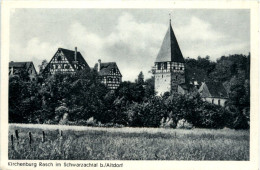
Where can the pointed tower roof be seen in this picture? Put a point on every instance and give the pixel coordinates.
(170, 50)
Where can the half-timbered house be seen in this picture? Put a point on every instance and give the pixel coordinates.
(66, 61)
(109, 74)
(17, 68)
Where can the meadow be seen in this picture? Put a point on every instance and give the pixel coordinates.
(95, 143)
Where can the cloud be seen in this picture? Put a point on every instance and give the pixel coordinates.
(199, 38)
(198, 30)
(132, 45)
(88, 43)
(35, 50)
(135, 45)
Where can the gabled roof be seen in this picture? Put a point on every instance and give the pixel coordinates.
(170, 50)
(25, 65)
(71, 54)
(213, 89)
(184, 86)
(18, 66)
(105, 68)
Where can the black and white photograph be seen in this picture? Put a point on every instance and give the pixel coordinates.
(133, 84)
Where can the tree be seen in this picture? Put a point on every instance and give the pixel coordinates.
(239, 102)
(149, 87)
(132, 92)
(23, 100)
(140, 79)
(42, 66)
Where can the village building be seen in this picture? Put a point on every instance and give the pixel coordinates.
(169, 68)
(19, 68)
(66, 61)
(213, 92)
(109, 74)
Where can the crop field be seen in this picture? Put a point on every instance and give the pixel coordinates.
(52, 142)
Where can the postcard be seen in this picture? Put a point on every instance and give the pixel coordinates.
(129, 85)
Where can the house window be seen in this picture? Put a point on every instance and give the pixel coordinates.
(67, 66)
(59, 58)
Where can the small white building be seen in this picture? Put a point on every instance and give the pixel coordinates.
(213, 92)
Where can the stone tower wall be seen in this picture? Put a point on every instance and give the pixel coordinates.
(162, 83)
(176, 79)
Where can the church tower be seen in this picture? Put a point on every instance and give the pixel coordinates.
(169, 68)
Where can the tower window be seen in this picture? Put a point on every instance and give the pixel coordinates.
(159, 66)
(165, 65)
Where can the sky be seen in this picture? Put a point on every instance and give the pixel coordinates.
(129, 37)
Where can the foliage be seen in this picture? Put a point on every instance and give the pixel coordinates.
(132, 92)
(167, 123)
(91, 121)
(149, 88)
(42, 66)
(183, 124)
(77, 98)
(140, 78)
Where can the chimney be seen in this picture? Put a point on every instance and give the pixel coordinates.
(75, 56)
(99, 65)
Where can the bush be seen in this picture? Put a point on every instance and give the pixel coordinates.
(91, 122)
(183, 124)
(64, 120)
(168, 123)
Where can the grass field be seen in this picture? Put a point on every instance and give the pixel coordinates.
(89, 143)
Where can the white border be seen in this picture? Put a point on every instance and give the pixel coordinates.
(254, 73)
